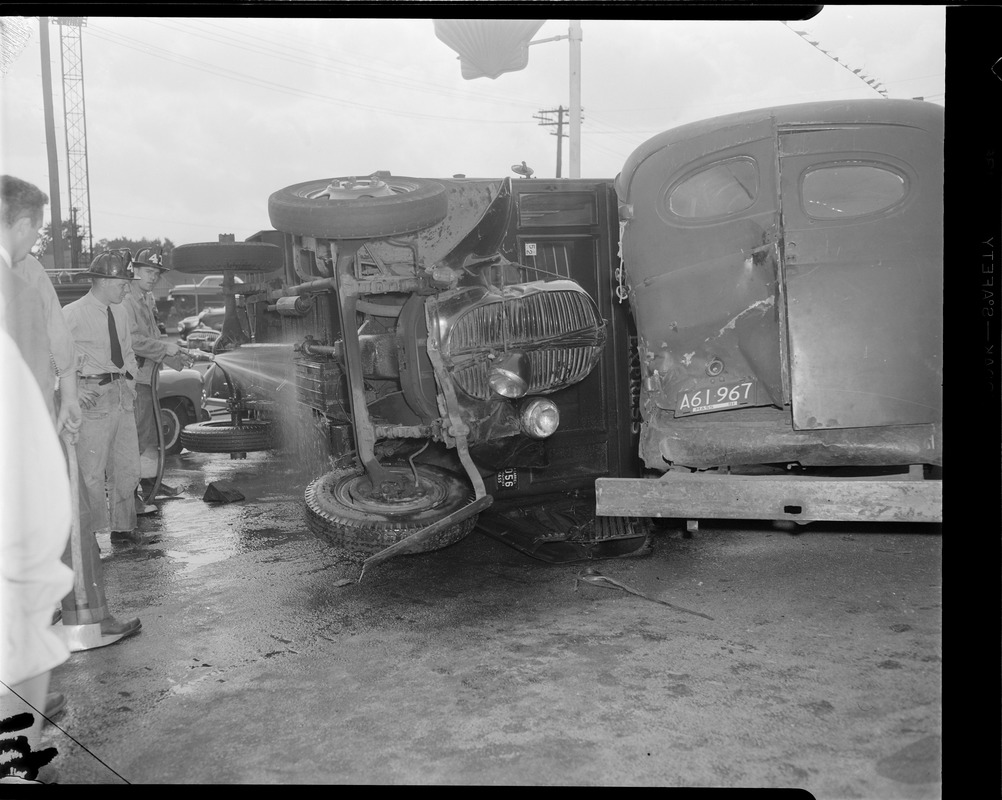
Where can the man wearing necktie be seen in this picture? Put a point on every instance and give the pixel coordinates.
(108, 447)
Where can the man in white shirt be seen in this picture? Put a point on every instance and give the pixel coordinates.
(35, 320)
(35, 348)
(108, 448)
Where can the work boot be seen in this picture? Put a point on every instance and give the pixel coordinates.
(132, 537)
(112, 627)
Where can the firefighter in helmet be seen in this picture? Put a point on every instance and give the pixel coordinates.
(152, 349)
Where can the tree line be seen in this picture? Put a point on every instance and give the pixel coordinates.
(74, 239)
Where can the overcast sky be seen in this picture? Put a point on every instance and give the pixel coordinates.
(193, 122)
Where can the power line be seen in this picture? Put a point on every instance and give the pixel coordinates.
(317, 59)
(223, 72)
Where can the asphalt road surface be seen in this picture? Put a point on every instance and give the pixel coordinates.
(261, 660)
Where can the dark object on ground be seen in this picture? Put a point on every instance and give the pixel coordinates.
(132, 537)
(221, 492)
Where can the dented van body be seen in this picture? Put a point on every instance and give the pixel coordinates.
(784, 269)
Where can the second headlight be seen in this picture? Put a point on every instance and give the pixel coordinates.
(539, 417)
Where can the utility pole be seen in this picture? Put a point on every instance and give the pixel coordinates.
(488, 48)
(544, 119)
(56, 225)
(575, 37)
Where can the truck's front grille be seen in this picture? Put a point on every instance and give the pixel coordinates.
(559, 331)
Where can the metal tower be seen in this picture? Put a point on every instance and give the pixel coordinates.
(74, 113)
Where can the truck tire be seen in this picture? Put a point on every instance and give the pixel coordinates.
(174, 416)
(308, 209)
(336, 516)
(211, 258)
(217, 436)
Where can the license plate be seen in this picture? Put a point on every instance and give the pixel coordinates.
(714, 398)
(507, 479)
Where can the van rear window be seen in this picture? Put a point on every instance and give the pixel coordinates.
(718, 191)
(850, 190)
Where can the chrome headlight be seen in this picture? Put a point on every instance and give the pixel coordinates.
(539, 417)
(509, 377)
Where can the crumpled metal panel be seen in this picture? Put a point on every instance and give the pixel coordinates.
(766, 435)
(705, 293)
(474, 225)
(725, 311)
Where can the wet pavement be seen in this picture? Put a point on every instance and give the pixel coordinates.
(262, 661)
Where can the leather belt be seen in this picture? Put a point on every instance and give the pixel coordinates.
(106, 377)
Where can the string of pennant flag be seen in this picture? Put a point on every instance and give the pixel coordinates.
(873, 83)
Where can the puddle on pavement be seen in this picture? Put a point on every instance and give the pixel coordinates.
(194, 533)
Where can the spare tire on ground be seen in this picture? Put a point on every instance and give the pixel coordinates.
(222, 436)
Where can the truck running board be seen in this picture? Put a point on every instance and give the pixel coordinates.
(696, 496)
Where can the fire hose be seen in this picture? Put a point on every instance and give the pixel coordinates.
(76, 548)
(161, 448)
(161, 455)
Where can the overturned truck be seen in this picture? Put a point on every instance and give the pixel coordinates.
(459, 343)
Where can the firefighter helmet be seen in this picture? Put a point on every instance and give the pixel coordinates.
(112, 264)
(148, 257)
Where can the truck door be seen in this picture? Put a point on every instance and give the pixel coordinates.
(862, 216)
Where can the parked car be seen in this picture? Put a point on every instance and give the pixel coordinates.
(70, 284)
(181, 404)
(191, 298)
(203, 338)
(207, 318)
